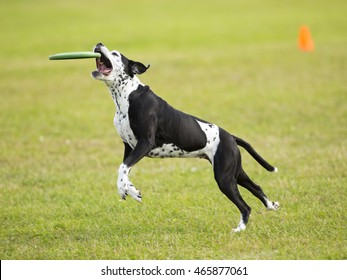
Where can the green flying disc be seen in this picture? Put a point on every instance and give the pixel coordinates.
(74, 55)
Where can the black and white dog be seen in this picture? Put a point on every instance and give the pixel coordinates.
(150, 127)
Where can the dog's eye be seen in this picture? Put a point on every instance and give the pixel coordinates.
(114, 53)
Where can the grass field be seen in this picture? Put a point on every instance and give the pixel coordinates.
(234, 63)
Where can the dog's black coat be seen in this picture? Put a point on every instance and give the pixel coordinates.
(153, 119)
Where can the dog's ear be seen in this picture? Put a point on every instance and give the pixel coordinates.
(137, 67)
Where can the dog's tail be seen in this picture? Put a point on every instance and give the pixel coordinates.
(255, 155)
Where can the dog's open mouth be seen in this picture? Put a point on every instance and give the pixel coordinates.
(103, 64)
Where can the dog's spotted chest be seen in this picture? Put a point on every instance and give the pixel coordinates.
(121, 118)
(122, 124)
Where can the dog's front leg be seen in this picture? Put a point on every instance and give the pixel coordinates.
(124, 185)
(123, 180)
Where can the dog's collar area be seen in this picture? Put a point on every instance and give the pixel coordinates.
(103, 64)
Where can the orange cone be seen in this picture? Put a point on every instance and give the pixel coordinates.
(305, 39)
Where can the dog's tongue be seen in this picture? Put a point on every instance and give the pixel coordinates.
(102, 67)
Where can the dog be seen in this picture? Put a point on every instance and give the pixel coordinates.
(150, 127)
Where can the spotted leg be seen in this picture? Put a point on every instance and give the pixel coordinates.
(131, 157)
(124, 185)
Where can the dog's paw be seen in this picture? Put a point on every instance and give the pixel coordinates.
(122, 193)
(123, 189)
(136, 194)
(272, 205)
(239, 228)
(275, 205)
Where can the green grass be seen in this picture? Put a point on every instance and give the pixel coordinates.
(235, 64)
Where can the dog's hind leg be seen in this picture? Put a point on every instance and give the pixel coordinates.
(226, 166)
(244, 181)
(229, 188)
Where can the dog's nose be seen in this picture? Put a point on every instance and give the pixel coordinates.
(100, 45)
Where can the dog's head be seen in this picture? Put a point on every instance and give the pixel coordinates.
(113, 65)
